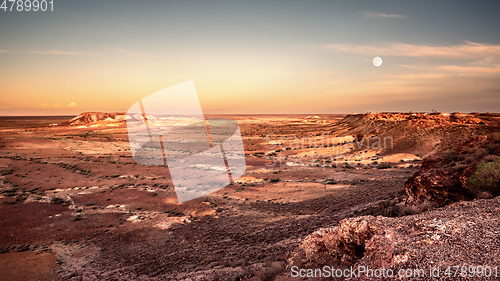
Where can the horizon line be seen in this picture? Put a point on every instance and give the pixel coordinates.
(367, 112)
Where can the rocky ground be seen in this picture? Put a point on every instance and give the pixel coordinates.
(75, 206)
(445, 178)
(456, 241)
(461, 234)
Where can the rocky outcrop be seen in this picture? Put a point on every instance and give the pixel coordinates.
(439, 183)
(421, 134)
(463, 233)
(438, 117)
(92, 117)
(444, 178)
(103, 118)
(342, 244)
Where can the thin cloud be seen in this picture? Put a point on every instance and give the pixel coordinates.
(469, 69)
(78, 53)
(418, 76)
(273, 71)
(65, 53)
(410, 66)
(58, 105)
(467, 51)
(442, 71)
(132, 53)
(375, 15)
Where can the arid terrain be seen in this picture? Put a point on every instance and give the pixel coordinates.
(74, 205)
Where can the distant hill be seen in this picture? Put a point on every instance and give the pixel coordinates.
(422, 134)
(93, 117)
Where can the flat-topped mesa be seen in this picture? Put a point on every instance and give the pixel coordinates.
(93, 117)
(440, 117)
(115, 119)
(421, 134)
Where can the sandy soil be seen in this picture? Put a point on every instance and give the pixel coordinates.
(73, 194)
(28, 266)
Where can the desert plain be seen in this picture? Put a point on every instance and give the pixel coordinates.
(74, 205)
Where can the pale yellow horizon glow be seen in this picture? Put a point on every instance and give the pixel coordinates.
(65, 82)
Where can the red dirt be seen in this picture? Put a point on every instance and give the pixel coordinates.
(69, 190)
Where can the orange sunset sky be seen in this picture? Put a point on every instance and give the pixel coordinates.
(253, 56)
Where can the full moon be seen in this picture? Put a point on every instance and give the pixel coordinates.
(377, 61)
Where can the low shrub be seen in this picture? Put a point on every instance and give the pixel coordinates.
(6, 172)
(450, 156)
(492, 148)
(57, 200)
(486, 178)
(384, 166)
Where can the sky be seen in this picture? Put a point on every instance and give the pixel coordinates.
(295, 57)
